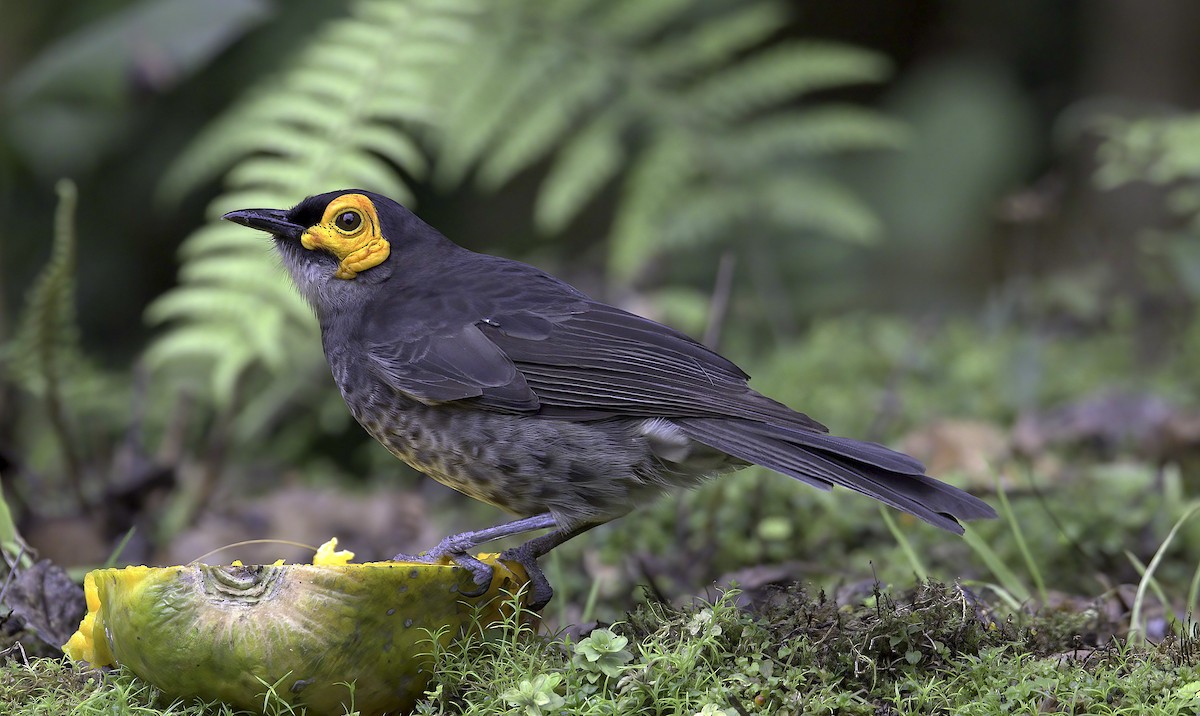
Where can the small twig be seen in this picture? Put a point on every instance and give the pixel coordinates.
(4, 388)
(772, 292)
(12, 572)
(18, 647)
(134, 441)
(890, 403)
(718, 306)
(174, 439)
(737, 705)
(214, 461)
(651, 584)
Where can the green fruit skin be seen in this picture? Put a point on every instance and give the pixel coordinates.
(228, 633)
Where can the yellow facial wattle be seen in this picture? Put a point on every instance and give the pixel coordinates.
(350, 231)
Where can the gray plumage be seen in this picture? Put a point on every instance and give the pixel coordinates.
(511, 386)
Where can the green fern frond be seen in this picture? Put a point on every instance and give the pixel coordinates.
(656, 179)
(778, 74)
(329, 121)
(241, 198)
(203, 346)
(399, 149)
(811, 204)
(371, 66)
(483, 105)
(228, 279)
(542, 125)
(584, 166)
(711, 45)
(45, 351)
(794, 205)
(45, 356)
(812, 132)
(680, 97)
(634, 21)
(212, 237)
(221, 303)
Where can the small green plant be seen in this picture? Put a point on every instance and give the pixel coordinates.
(1159, 150)
(602, 654)
(703, 624)
(537, 696)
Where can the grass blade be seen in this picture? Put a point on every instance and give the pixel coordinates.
(918, 566)
(1019, 536)
(1136, 633)
(1007, 578)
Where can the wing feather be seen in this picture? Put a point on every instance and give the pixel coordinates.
(457, 366)
(862, 467)
(609, 362)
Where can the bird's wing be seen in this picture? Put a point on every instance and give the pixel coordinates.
(452, 365)
(508, 337)
(600, 361)
(602, 358)
(572, 358)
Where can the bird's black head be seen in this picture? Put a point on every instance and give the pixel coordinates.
(331, 242)
(349, 230)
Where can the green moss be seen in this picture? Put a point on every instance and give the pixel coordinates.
(934, 649)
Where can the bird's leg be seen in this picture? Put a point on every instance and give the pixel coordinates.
(456, 547)
(527, 556)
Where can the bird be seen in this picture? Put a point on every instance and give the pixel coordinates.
(513, 387)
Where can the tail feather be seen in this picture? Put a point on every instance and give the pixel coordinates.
(824, 460)
(857, 451)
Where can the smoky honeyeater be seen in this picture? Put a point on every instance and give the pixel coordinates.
(512, 387)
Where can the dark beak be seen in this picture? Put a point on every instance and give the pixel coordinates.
(274, 221)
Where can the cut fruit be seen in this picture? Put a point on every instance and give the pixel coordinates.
(307, 631)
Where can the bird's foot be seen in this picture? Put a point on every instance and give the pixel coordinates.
(540, 590)
(455, 549)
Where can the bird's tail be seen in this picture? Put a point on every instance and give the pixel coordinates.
(823, 460)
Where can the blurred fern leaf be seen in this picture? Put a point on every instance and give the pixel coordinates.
(46, 352)
(693, 114)
(687, 104)
(339, 116)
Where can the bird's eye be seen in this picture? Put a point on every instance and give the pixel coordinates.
(348, 221)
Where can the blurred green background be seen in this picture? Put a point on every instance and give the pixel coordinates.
(964, 228)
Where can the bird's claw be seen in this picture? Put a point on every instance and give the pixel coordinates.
(455, 548)
(481, 573)
(540, 590)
